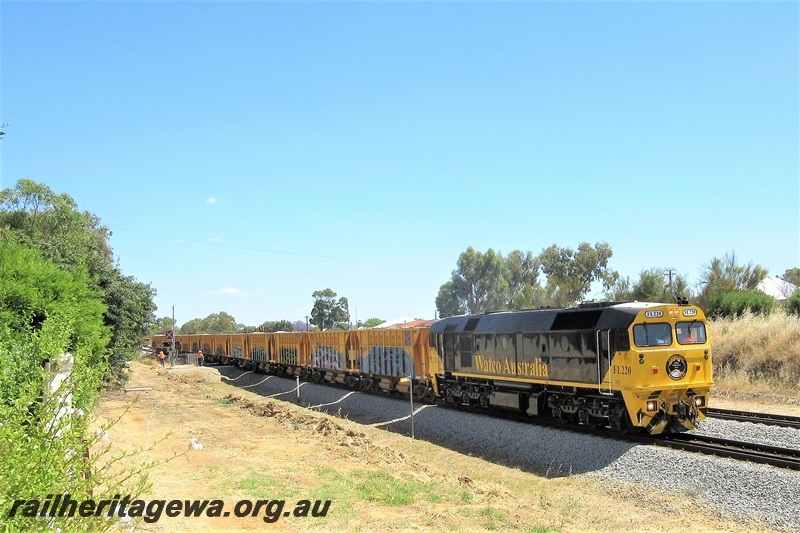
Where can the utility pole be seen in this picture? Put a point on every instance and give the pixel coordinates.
(669, 271)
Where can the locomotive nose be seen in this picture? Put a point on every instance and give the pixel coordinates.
(674, 418)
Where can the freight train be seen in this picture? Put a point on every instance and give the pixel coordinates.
(632, 366)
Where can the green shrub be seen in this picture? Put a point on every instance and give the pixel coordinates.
(735, 304)
(793, 304)
(46, 441)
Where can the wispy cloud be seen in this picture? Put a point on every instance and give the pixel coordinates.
(212, 200)
(215, 239)
(226, 290)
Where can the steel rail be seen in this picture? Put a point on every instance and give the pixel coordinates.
(742, 451)
(756, 418)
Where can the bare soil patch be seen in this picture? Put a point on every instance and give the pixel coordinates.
(247, 447)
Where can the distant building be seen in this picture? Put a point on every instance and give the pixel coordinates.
(777, 288)
(405, 322)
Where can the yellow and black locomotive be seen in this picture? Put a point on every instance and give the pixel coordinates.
(628, 365)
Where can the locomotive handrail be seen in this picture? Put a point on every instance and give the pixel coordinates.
(610, 390)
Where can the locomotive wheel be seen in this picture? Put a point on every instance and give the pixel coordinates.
(619, 421)
(484, 401)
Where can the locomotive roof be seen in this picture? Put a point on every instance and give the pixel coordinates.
(608, 317)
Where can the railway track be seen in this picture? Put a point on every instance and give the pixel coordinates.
(756, 418)
(742, 451)
(707, 445)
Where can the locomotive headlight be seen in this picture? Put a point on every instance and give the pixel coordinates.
(699, 401)
(652, 406)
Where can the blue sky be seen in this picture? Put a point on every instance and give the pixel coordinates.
(246, 154)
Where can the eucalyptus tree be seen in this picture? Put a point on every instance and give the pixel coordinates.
(653, 285)
(476, 285)
(328, 312)
(521, 273)
(571, 273)
(792, 276)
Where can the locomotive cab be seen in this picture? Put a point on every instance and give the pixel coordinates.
(667, 372)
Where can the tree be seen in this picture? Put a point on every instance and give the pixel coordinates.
(36, 217)
(735, 304)
(521, 272)
(220, 323)
(51, 223)
(192, 327)
(299, 325)
(726, 275)
(653, 286)
(280, 325)
(162, 325)
(129, 314)
(476, 285)
(34, 291)
(328, 312)
(793, 303)
(792, 276)
(570, 274)
(372, 322)
(449, 302)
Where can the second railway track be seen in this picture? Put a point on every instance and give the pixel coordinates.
(756, 418)
(743, 451)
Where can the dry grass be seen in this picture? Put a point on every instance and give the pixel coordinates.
(757, 354)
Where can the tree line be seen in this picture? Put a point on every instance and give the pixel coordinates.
(559, 277)
(328, 312)
(556, 277)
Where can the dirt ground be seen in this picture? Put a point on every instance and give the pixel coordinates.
(234, 445)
